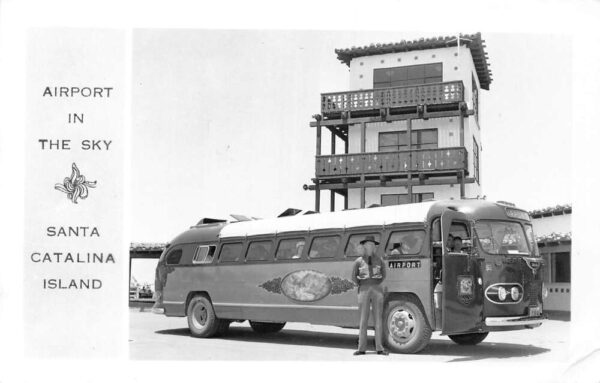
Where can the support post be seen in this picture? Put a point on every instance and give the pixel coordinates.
(317, 198)
(318, 151)
(410, 155)
(362, 192)
(363, 144)
(346, 146)
(462, 184)
(461, 121)
(332, 201)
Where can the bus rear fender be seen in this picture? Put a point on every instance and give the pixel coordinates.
(192, 294)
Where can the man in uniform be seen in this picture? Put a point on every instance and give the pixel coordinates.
(368, 273)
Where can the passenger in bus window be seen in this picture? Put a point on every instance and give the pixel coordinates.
(449, 242)
(299, 249)
(368, 273)
(397, 249)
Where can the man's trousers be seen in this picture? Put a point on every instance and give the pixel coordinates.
(370, 296)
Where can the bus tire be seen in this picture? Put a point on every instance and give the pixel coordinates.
(469, 339)
(406, 329)
(202, 321)
(266, 327)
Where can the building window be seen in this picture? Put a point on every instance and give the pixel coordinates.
(421, 139)
(407, 75)
(476, 160)
(475, 95)
(402, 199)
(561, 267)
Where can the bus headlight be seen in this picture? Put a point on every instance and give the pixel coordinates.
(502, 293)
(514, 293)
(544, 291)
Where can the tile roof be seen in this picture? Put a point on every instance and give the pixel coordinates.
(472, 41)
(146, 247)
(552, 210)
(553, 238)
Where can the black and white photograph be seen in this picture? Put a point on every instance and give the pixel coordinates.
(267, 191)
(413, 153)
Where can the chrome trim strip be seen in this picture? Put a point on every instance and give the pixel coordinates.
(173, 302)
(513, 321)
(256, 305)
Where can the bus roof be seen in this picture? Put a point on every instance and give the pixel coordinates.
(375, 216)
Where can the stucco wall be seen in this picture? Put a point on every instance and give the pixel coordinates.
(553, 224)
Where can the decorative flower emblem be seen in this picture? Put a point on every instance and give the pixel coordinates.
(76, 186)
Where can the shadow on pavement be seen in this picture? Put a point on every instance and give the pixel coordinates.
(485, 350)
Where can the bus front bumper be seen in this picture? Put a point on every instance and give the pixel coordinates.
(529, 322)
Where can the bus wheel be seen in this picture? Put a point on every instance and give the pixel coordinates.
(202, 321)
(469, 339)
(266, 327)
(405, 327)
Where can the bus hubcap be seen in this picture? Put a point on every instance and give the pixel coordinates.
(401, 324)
(200, 315)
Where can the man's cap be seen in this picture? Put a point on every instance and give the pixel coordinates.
(369, 238)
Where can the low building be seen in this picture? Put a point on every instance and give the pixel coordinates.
(552, 226)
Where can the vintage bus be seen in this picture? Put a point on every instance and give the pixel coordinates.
(298, 269)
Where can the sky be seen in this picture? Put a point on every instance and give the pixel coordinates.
(221, 121)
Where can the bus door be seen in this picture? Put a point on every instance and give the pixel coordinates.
(462, 297)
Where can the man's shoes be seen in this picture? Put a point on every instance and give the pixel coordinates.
(383, 352)
(359, 353)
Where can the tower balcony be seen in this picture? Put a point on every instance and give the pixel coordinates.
(442, 96)
(440, 161)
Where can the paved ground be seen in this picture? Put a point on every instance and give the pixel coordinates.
(155, 336)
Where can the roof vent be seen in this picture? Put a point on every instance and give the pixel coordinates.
(206, 221)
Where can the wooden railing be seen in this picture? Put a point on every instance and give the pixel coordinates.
(382, 98)
(419, 160)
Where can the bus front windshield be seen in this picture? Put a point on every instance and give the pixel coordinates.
(501, 237)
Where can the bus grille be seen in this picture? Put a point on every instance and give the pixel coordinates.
(532, 291)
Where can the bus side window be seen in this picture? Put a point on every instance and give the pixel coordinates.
(290, 248)
(174, 256)
(354, 243)
(324, 247)
(204, 254)
(259, 251)
(230, 252)
(405, 243)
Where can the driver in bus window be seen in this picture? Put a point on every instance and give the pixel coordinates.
(457, 244)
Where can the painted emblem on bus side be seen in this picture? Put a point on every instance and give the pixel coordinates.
(465, 289)
(307, 285)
